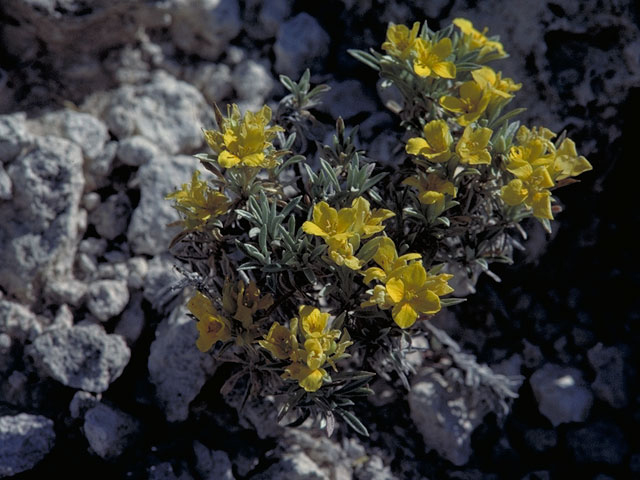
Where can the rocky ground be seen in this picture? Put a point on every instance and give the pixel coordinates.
(102, 105)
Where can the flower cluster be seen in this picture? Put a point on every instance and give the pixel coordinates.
(343, 230)
(319, 345)
(240, 303)
(199, 203)
(244, 141)
(267, 232)
(538, 165)
(406, 286)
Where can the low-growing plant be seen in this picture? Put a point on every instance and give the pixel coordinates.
(313, 267)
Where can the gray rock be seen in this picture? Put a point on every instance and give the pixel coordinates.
(93, 246)
(97, 170)
(166, 111)
(434, 8)
(137, 150)
(272, 15)
(445, 415)
(5, 184)
(85, 130)
(212, 464)
(158, 282)
(109, 431)
(18, 322)
(132, 320)
(6, 360)
(541, 440)
(205, 27)
(148, 232)
(138, 268)
(24, 441)
(609, 385)
(82, 357)
(14, 136)
(82, 402)
(176, 367)
(346, 99)
(301, 42)
(293, 466)
(600, 442)
(212, 79)
(66, 290)
(532, 355)
(63, 318)
(111, 218)
(375, 469)
(561, 394)
(114, 271)
(15, 390)
(166, 471)
(252, 81)
(40, 225)
(107, 298)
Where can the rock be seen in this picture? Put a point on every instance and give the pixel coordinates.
(561, 394)
(205, 27)
(532, 355)
(66, 290)
(109, 431)
(107, 298)
(540, 440)
(176, 367)
(24, 441)
(111, 218)
(375, 469)
(161, 276)
(293, 466)
(114, 271)
(138, 268)
(86, 131)
(346, 99)
(271, 16)
(445, 415)
(132, 320)
(63, 318)
(259, 414)
(609, 385)
(93, 246)
(212, 79)
(598, 442)
(212, 464)
(40, 228)
(165, 471)
(148, 232)
(5, 184)
(166, 111)
(301, 43)
(14, 136)
(6, 360)
(82, 402)
(97, 170)
(252, 81)
(18, 322)
(15, 390)
(82, 357)
(137, 150)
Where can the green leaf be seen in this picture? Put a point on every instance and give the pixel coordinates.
(365, 58)
(288, 83)
(289, 162)
(369, 249)
(353, 421)
(448, 302)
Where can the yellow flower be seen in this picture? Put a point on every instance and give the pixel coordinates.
(387, 258)
(567, 163)
(470, 105)
(312, 321)
(493, 82)
(431, 188)
(309, 379)
(435, 144)
(314, 353)
(410, 294)
(367, 223)
(475, 39)
(531, 190)
(280, 342)
(430, 59)
(535, 149)
(329, 223)
(248, 302)
(198, 202)
(472, 146)
(244, 140)
(211, 326)
(400, 40)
